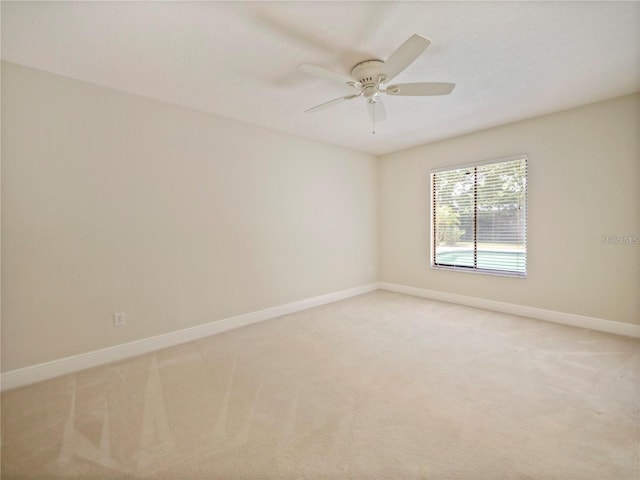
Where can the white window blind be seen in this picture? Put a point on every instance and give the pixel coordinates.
(479, 217)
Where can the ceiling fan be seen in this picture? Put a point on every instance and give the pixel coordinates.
(371, 78)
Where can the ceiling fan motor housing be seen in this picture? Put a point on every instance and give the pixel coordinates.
(368, 72)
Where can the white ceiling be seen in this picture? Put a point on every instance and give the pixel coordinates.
(510, 60)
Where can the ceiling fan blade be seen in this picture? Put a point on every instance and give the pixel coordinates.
(420, 89)
(377, 110)
(322, 106)
(325, 74)
(405, 55)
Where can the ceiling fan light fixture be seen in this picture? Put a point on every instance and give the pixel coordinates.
(369, 92)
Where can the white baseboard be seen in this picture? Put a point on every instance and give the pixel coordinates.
(609, 326)
(63, 366)
(43, 371)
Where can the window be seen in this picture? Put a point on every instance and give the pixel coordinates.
(479, 217)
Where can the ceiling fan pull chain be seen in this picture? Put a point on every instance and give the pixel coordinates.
(373, 118)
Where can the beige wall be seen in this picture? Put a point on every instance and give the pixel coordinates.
(584, 174)
(113, 202)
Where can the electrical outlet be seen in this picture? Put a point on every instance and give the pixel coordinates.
(118, 319)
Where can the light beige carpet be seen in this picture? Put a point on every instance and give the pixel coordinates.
(381, 386)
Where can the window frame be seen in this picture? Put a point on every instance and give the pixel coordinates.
(432, 213)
